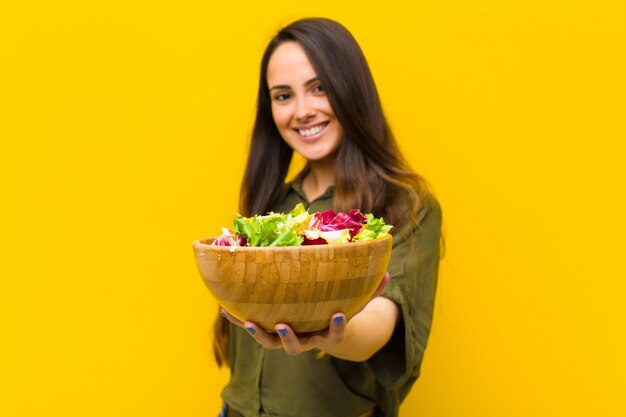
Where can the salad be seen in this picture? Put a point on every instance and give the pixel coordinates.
(298, 227)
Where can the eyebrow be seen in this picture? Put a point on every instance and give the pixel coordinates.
(280, 87)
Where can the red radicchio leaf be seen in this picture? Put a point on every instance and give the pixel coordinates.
(318, 241)
(322, 217)
(342, 221)
(221, 241)
(358, 216)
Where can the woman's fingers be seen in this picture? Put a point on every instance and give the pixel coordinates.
(293, 343)
(269, 341)
(290, 340)
(231, 318)
(336, 329)
(265, 339)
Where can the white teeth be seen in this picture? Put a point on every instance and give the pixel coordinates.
(311, 131)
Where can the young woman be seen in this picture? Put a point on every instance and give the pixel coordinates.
(317, 97)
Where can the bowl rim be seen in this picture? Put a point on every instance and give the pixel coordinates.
(200, 244)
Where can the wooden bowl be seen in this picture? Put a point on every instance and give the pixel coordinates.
(302, 286)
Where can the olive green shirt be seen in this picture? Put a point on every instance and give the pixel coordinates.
(272, 383)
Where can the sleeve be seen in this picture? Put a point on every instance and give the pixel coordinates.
(413, 268)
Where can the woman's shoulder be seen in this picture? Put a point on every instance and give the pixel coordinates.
(423, 216)
(428, 206)
(416, 205)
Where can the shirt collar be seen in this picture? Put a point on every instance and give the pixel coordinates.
(296, 186)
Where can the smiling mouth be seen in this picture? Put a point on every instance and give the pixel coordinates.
(312, 131)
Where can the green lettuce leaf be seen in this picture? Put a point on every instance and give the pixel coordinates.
(287, 238)
(374, 229)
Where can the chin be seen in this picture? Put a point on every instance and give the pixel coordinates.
(318, 157)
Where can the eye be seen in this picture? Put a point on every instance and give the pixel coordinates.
(282, 96)
(318, 89)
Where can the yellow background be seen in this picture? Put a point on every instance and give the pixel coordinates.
(123, 131)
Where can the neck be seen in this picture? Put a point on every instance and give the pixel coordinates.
(320, 177)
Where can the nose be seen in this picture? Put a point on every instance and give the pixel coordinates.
(304, 108)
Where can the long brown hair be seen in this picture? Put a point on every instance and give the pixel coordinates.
(370, 172)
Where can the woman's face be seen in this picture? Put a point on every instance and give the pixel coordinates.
(300, 107)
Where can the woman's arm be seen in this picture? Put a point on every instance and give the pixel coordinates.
(365, 334)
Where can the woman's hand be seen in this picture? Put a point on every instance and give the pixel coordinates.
(293, 343)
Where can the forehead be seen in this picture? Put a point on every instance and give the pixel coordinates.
(289, 65)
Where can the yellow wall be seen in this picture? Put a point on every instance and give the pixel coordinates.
(122, 138)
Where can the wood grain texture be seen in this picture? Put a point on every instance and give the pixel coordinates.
(302, 286)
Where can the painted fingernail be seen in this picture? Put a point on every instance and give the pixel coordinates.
(283, 332)
(338, 320)
(250, 329)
